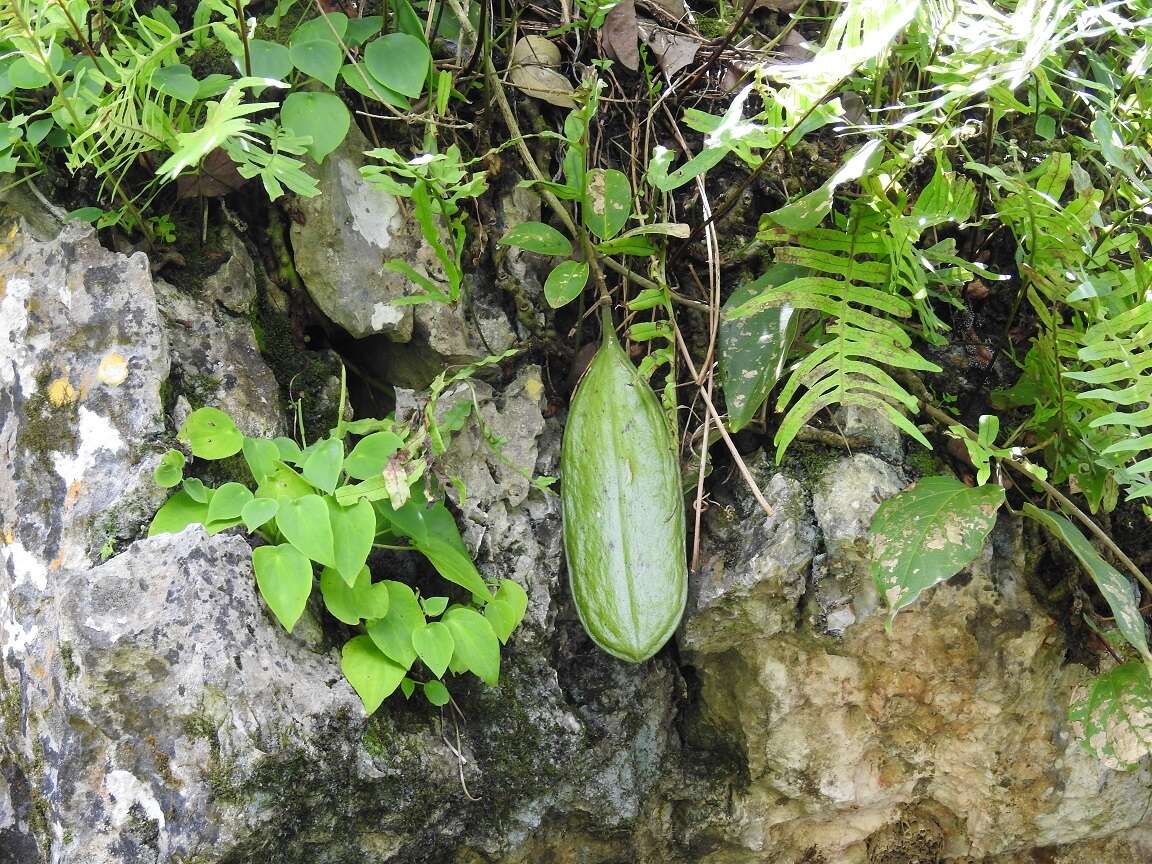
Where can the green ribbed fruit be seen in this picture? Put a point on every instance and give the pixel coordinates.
(623, 509)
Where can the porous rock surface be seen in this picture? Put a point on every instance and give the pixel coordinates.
(153, 711)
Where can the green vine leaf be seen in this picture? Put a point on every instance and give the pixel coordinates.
(258, 511)
(752, 350)
(434, 645)
(607, 202)
(927, 534)
(477, 648)
(371, 454)
(323, 117)
(393, 633)
(170, 470)
(565, 283)
(228, 503)
(506, 610)
(401, 62)
(539, 238)
(1112, 718)
(305, 524)
(436, 693)
(353, 530)
(177, 513)
(351, 603)
(322, 466)
(284, 577)
(372, 675)
(1116, 589)
(319, 58)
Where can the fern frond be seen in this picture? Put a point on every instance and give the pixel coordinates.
(862, 330)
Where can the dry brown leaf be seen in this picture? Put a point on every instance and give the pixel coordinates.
(535, 51)
(677, 10)
(542, 83)
(620, 34)
(673, 51)
(217, 176)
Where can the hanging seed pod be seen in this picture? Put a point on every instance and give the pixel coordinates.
(623, 509)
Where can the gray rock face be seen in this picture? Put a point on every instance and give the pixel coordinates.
(340, 245)
(152, 712)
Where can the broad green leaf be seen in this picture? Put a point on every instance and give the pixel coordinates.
(477, 647)
(565, 283)
(228, 502)
(284, 576)
(176, 80)
(362, 29)
(372, 675)
(353, 530)
(269, 59)
(360, 80)
(393, 633)
(752, 350)
(433, 644)
(323, 117)
(283, 484)
(927, 534)
(1113, 717)
(177, 513)
(436, 693)
(351, 603)
(433, 531)
(434, 606)
(330, 27)
(506, 610)
(170, 470)
(304, 523)
(289, 450)
(607, 202)
(537, 237)
(261, 456)
(1116, 589)
(322, 465)
(258, 511)
(210, 434)
(371, 454)
(319, 58)
(401, 62)
(196, 489)
(407, 687)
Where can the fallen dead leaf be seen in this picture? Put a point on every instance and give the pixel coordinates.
(217, 176)
(620, 34)
(533, 71)
(673, 51)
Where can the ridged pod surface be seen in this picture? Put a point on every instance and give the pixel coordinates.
(623, 509)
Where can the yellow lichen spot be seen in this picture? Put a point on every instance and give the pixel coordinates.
(9, 537)
(61, 392)
(113, 369)
(533, 387)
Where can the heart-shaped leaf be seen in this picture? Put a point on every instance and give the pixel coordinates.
(434, 645)
(323, 117)
(351, 603)
(210, 434)
(170, 470)
(261, 456)
(927, 534)
(322, 466)
(476, 645)
(436, 693)
(372, 675)
(329, 27)
(228, 502)
(393, 633)
(177, 513)
(506, 609)
(284, 577)
(353, 530)
(258, 511)
(371, 454)
(269, 59)
(400, 62)
(319, 58)
(304, 523)
(283, 484)
(363, 82)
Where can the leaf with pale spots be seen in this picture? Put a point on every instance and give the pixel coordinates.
(1112, 584)
(1112, 717)
(753, 349)
(927, 534)
(607, 202)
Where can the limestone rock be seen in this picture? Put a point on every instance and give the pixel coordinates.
(215, 360)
